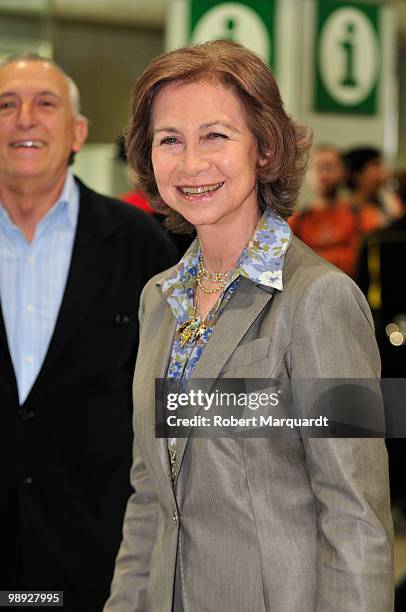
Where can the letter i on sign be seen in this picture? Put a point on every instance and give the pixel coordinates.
(348, 57)
(348, 46)
(230, 29)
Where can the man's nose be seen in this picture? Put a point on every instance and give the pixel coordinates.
(26, 115)
(195, 160)
(385, 173)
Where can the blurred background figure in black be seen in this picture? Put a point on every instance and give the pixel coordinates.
(381, 277)
(367, 175)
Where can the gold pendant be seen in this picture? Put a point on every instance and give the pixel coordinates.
(191, 330)
(201, 329)
(185, 332)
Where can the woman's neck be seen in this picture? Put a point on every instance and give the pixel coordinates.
(221, 246)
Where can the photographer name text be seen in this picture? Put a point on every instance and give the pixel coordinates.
(248, 422)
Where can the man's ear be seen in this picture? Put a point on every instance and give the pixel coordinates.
(80, 133)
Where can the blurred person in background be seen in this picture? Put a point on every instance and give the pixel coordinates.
(72, 266)
(244, 524)
(381, 278)
(136, 197)
(328, 224)
(367, 174)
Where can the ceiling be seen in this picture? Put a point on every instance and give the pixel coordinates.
(136, 12)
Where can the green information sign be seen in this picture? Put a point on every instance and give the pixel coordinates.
(250, 22)
(348, 57)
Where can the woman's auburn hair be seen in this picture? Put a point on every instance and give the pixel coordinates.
(283, 143)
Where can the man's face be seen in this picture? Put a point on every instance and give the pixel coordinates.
(38, 128)
(372, 177)
(326, 173)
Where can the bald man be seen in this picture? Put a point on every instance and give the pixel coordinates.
(72, 266)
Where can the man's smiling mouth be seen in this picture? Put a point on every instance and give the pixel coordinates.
(27, 144)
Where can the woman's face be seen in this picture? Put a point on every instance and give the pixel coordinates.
(203, 154)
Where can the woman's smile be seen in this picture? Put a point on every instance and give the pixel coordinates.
(200, 192)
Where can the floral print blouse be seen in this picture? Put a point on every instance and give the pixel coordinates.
(261, 262)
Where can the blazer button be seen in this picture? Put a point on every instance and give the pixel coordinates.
(175, 518)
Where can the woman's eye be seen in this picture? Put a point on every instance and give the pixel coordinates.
(169, 140)
(216, 136)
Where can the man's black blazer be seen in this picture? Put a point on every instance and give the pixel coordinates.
(65, 454)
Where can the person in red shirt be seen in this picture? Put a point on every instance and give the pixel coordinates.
(329, 224)
(136, 197)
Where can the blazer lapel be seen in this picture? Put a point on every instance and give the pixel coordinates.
(8, 382)
(92, 257)
(153, 364)
(245, 306)
(164, 338)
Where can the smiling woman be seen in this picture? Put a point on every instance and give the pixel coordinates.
(281, 145)
(204, 158)
(242, 524)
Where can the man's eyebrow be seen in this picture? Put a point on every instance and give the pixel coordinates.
(44, 92)
(48, 92)
(203, 126)
(7, 93)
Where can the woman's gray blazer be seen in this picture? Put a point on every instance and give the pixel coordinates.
(280, 524)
